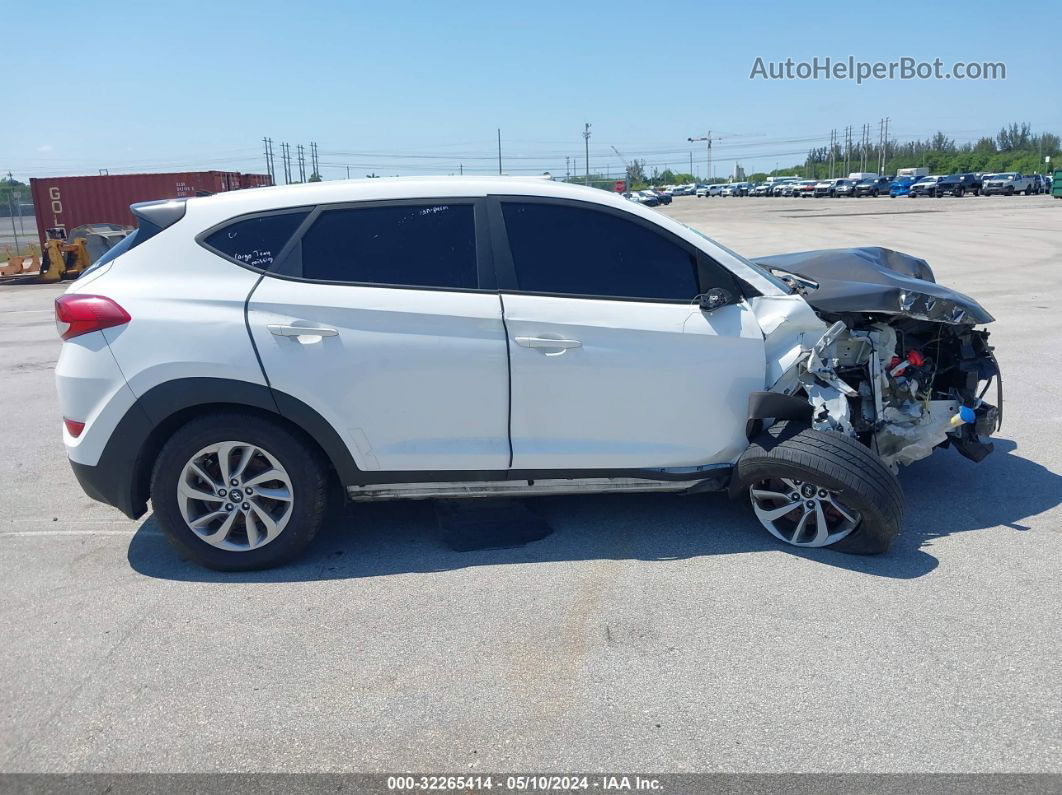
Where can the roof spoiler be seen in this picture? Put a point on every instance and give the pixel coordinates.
(159, 214)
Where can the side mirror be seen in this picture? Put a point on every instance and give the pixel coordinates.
(715, 298)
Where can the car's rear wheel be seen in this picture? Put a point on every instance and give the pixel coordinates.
(813, 488)
(236, 492)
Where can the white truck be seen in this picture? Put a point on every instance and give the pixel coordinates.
(1007, 184)
(917, 173)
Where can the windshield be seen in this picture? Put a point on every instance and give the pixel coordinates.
(1005, 175)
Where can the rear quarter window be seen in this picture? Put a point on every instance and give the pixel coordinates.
(255, 241)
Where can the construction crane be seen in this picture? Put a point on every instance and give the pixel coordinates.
(709, 139)
(630, 173)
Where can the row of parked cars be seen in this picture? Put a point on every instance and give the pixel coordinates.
(981, 184)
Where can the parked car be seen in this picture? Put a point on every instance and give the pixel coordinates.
(1007, 184)
(805, 188)
(775, 186)
(873, 187)
(926, 186)
(245, 353)
(844, 188)
(958, 185)
(663, 196)
(763, 189)
(826, 187)
(1039, 184)
(732, 189)
(649, 198)
(901, 186)
(714, 189)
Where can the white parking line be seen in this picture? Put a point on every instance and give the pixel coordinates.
(59, 533)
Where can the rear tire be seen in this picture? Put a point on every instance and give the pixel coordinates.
(285, 476)
(852, 487)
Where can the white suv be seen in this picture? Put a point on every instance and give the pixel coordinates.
(242, 356)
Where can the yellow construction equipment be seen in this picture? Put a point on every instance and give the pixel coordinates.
(63, 260)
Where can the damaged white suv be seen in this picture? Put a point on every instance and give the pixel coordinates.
(241, 357)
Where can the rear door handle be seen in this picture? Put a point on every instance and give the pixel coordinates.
(301, 331)
(546, 342)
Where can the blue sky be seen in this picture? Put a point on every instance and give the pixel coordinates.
(195, 85)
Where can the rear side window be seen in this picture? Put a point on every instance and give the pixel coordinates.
(573, 251)
(115, 251)
(414, 245)
(256, 242)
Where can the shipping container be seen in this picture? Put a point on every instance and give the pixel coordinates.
(68, 202)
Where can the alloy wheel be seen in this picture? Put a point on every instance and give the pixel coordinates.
(801, 513)
(235, 496)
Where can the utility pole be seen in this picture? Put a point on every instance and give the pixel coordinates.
(11, 211)
(268, 142)
(691, 166)
(499, 151)
(348, 172)
(314, 164)
(461, 168)
(567, 169)
(833, 138)
(285, 156)
(881, 135)
(586, 140)
(302, 163)
(885, 146)
(711, 173)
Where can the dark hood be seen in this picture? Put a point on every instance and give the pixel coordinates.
(877, 279)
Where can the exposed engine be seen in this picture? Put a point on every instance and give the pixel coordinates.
(904, 387)
(902, 366)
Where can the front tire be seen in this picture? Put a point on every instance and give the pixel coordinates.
(814, 488)
(237, 492)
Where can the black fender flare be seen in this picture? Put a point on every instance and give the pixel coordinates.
(774, 405)
(121, 476)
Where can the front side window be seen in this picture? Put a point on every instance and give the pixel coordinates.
(257, 241)
(415, 245)
(574, 251)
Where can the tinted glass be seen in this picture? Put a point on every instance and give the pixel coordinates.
(574, 251)
(119, 248)
(256, 242)
(428, 245)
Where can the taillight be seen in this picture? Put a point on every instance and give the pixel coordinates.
(73, 427)
(80, 314)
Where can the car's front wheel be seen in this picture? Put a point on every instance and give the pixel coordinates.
(814, 488)
(236, 492)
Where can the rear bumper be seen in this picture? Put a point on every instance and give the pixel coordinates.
(117, 478)
(109, 486)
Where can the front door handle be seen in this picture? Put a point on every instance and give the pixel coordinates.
(301, 331)
(546, 342)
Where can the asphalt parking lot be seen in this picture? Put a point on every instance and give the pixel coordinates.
(647, 633)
